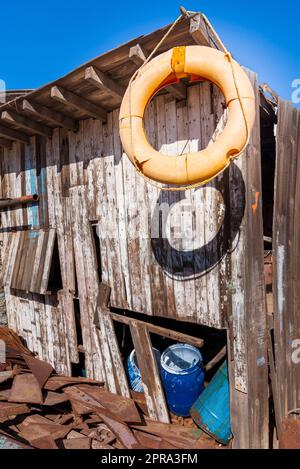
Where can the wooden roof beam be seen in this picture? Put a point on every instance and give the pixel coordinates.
(177, 90)
(199, 30)
(103, 82)
(54, 117)
(81, 104)
(13, 134)
(138, 56)
(12, 117)
(5, 143)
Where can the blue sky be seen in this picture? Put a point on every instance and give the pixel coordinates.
(43, 40)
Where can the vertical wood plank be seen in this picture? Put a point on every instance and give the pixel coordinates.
(149, 373)
(286, 257)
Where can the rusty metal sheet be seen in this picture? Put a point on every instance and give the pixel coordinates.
(77, 443)
(74, 434)
(16, 352)
(41, 369)
(26, 389)
(8, 409)
(120, 406)
(46, 442)
(81, 404)
(6, 375)
(34, 419)
(140, 400)
(98, 445)
(12, 340)
(120, 430)
(7, 442)
(55, 383)
(101, 433)
(54, 398)
(4, 394)
(113, 422)
(290, 434)
(147, 440)
(36, 431)
(181, 437)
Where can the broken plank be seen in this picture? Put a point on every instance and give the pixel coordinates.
(103, 343)
(153, 389)
(119, 372)
(174, 335)
(220, 355)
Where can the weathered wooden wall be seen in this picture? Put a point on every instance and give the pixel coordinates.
(286, 245)
(208, 269)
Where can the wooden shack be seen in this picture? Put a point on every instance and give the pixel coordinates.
(166, 258)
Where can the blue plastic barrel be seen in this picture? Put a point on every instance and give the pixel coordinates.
(211, 412)
(133, 371)
(182, 377)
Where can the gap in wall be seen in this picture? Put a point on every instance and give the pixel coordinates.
(214, 339)
(55, 279)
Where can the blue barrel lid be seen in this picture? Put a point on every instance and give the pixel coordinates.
(181, 359)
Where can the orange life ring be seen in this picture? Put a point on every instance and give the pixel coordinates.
(204, 165)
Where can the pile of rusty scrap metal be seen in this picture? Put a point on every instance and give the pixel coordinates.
(40, 409)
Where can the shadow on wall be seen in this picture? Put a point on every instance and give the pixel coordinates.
(182, 264)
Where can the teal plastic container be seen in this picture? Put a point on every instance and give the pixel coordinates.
(211, 412)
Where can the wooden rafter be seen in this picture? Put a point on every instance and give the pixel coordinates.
(138, 56)
(71, 99)
(55, 117)
(103, 82)
(13, 134)
(178, 90)
(199, 30)
(5, 143)
(12, 117)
